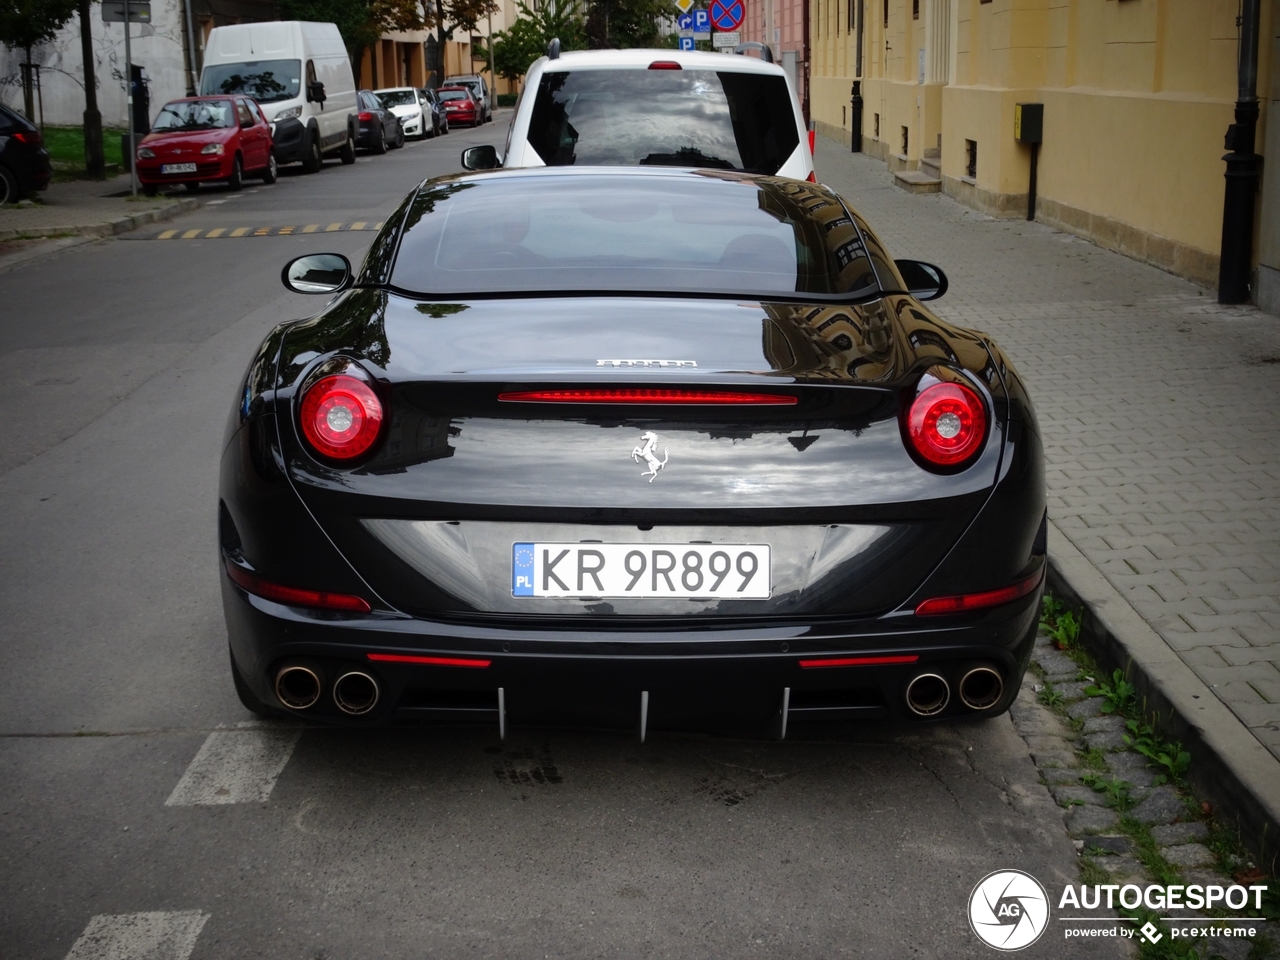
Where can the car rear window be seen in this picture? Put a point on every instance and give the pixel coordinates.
(709, 232)
(454, 95)
(690, 118)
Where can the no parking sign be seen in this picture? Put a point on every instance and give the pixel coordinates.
(727, 14)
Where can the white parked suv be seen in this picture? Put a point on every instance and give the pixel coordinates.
(655, 108)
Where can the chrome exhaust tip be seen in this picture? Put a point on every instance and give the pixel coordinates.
(297, 686)
(355, 693)
(928, 695)
(981, 688)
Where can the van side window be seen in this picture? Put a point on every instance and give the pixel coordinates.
(311, 72)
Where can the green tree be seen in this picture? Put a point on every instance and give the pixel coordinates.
(628, 23)
(515, 49)
(25, 23)
(360, 22)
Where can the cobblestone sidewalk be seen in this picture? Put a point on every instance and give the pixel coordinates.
(87, 208)
(1158, 408)
(1129, 826)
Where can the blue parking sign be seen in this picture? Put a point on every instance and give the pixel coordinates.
(701, 21)
(686, 43)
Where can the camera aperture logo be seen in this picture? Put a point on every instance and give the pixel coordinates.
(1008, 910)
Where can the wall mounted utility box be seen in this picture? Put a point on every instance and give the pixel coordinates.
(1028, 122)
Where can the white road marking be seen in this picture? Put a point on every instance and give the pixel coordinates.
(235, 766)
(140, 936)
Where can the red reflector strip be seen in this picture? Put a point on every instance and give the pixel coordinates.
(978, 601)
(857, 661)
(665, 65)
(293, 596)
(428, 661)
(705, 397)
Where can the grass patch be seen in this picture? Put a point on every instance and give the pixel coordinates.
(66, 144)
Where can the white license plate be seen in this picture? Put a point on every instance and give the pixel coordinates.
(690, 570)
(178, 168)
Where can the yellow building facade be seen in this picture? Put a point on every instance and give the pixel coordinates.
(1137, 96)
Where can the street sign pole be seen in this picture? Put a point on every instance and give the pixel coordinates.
(128, 86)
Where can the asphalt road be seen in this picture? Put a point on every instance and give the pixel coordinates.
(133, 784)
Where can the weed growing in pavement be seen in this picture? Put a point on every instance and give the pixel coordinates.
(1172, 762)
(1114, 789)
(1049, 696)
(1120, 695)
(1168, 755)
(1093, 759)
(1091, 873)
(1147, 851)
(1064, 630)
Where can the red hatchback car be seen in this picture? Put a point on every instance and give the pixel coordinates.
(206, 138)
(459, 105)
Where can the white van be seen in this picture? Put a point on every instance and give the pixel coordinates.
(655, 107)
(300, 75)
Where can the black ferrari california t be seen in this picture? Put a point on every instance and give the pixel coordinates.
(639, 447)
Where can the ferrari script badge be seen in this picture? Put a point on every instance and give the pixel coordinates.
(645, 453)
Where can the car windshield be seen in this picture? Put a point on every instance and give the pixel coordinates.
(267, 81)
(454, 95)
(688, 118)
(195, 115)
(709, 232)
(397, 98)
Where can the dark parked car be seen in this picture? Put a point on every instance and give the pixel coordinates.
(24, 162)
(379, 127)
(437, 110)
(638, 445)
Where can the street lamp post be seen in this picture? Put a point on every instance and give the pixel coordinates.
(128, 86)
(1243, 165)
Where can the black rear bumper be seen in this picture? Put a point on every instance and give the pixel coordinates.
(697, 677)
(290, 141)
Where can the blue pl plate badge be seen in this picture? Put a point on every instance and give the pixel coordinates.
(522, 569)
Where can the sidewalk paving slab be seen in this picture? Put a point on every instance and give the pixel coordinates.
(88, 208)
(1156, 405)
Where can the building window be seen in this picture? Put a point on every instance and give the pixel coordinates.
(877, 134)
(971, 158)
(915, 9)
(905, 143)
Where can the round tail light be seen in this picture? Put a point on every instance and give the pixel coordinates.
(341, 417)
(947, 424)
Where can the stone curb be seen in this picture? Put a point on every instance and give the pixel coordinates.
(106, 228)
(1230, 767)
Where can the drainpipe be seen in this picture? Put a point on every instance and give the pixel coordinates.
(1243, 169)
(855, 107)
(193, 74)
(804, 105)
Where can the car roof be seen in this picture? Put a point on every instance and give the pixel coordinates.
(394, 89)
(641, 58)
